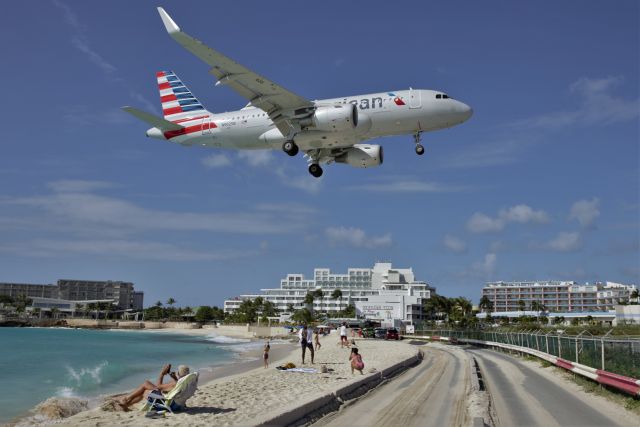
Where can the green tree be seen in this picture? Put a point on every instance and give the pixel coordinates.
(318, 294)
(302, 316)
(486, 304)
(521, 305)
(54, 312)
(290, 308)
(634, 295)
(204, 314)
(308, 301)
(77, 307)
(337, 294)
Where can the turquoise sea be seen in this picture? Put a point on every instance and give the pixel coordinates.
(38, 363)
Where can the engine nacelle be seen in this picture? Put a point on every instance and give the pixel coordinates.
(333, 118)
(362, 156)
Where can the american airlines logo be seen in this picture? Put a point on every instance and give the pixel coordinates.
(370, 103)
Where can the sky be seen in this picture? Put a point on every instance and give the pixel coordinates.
(542, 183)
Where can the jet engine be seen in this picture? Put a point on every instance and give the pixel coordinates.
(362, 156)
(333, 118)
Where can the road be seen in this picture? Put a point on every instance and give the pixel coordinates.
(429, 394)
(437, 393)
(523, 395)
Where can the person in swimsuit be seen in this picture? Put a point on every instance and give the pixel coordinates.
(316, 339)
(265, 354)
(356, 361)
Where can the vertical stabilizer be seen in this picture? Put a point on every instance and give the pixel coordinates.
(177, 100)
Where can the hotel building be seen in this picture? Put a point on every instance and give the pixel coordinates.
(122, 294)
(381, 293)
(557, 296)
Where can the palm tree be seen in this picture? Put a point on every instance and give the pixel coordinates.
(54, 312)
(634, 295)
(290, 308)
(170, 302)
(539, 307)
(486, 304)
(320, 295)
(337, 294)
(308, 300)
(522, 305)
(78, 307)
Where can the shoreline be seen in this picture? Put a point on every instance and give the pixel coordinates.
(239, 362)
(248, 394)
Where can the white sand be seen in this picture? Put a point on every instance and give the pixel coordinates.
(246, 398)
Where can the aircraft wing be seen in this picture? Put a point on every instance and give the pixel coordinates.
(281, 104)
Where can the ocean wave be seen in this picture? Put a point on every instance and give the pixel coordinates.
(223, 339)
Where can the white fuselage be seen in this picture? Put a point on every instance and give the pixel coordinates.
(379, 114)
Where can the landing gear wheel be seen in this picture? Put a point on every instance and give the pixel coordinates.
(290, 148)
(315, 170)
(419, 149)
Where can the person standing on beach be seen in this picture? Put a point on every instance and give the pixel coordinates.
(306, 341)
(316, 339)
(343, 335)
(265, 354)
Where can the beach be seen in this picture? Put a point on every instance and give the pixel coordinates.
(252, 395)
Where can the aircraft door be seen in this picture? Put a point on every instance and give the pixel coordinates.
(206, 126)
(415, 100)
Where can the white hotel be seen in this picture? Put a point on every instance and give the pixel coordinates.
(381, 293)
(557, 296)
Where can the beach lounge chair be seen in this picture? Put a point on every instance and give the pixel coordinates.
(174, 400)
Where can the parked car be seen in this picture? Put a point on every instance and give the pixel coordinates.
(392, 334)
(379, 333)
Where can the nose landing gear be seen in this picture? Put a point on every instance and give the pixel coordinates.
(416, 139)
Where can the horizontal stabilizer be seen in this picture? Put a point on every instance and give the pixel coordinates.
(155, 121)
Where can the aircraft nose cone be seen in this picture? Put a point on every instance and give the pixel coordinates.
(465, 111)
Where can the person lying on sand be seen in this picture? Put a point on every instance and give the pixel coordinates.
(143, 390)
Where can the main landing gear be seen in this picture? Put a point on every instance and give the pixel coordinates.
(416, 139)
(290, 148)
(315, 170)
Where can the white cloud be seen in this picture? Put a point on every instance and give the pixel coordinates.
(256, 157)
(72, 203)
(118, 248)
(356, 237)
(407, 186)
(77, 185)
(522, 214)
(216, 161)
(585, 211)
(481, 223)
(597, 106)
(565, 242)
(454, 244)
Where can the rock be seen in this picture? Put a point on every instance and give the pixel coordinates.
(57, 408)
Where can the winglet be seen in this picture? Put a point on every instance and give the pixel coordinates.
(169, 24)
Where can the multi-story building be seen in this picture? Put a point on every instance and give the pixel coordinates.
(121, 293)
(378, 293)
(557, 296)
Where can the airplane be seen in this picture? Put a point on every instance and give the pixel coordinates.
(328, 130)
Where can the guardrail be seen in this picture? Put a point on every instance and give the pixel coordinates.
(623, 383)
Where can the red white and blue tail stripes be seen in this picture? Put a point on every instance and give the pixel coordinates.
(176, 98)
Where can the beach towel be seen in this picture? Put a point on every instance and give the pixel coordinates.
(305, 370)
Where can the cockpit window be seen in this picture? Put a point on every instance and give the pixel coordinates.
(442, 96)
(445, 96)
(438, 96)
